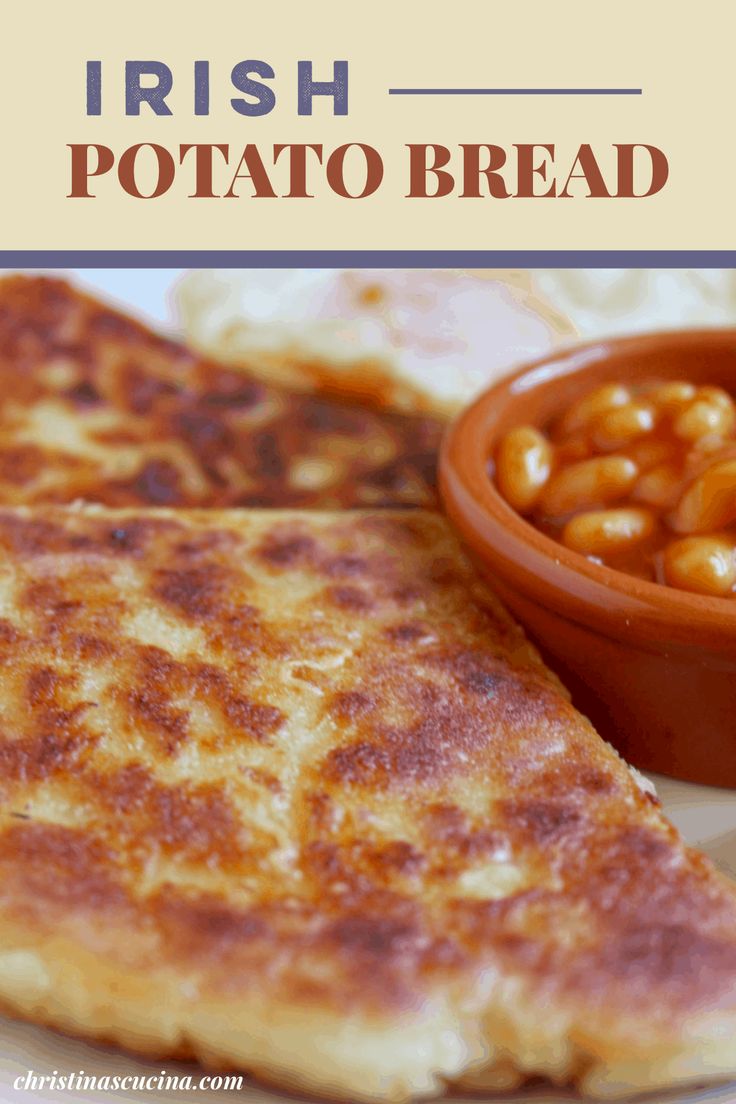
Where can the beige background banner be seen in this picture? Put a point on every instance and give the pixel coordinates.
(679, 54)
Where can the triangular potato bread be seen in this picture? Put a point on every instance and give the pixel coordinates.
(290, 792)
(95, 406)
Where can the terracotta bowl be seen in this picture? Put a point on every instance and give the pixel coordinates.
(653, 667)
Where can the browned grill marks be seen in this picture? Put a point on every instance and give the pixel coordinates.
(171, 429)
(231, 777)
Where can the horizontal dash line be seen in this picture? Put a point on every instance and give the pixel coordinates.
(515, 91)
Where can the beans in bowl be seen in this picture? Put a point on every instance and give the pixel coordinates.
(641, 478)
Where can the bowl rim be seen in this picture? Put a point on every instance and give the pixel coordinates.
(571, 583)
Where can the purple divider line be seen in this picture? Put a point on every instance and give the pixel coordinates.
(368, 258)
(515, 92)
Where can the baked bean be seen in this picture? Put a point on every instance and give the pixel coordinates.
(586, 410)
(658, 487)
(705, 448)
(704, 417)
(648, 452)
(709, 502)
(672, 396)
(617, 428)
(641, 477)
(705, 565)
(589, 483)
(600, 532)
(523, 465)
(718, 397)
(704, 455)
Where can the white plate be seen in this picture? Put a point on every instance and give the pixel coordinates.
(705, 816)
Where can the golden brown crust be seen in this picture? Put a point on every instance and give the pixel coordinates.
(301, 774)
(96, 406)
